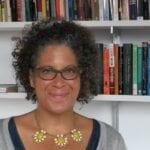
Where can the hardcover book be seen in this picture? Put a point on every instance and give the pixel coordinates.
(127, 69)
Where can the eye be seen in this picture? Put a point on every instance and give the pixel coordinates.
(47, 70)
(70, 70)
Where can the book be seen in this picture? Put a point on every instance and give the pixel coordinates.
(139, 70)
(71, 10)
(106, 82)
(100, 67)
(134, 70)
(148, 70)
(145, 9)
(139, 9)
(116, 59)
(127, 68)
(144, 67)
(106, 10)
(120, 68)
(87, 9)
(111, 68)
(133, 9)
(124, 10)
(5, 88)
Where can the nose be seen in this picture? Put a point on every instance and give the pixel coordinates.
(59, 81)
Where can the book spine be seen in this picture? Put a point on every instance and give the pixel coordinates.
(81, 11)
(115, 8)
(13, 6)
(145, 9)
(28, 12)
(139, 70)
(70, 7)
(43, 9)
(8, 11)
(116, 78)
(144, 67)
(23, 13)
(133, 9)
(111, 68)
(76, 9)
(67, 10)
(106, 82)
(127, 69)
(101, 15)
(100, 66)
(19, 10)
(53, 9)
(96, 10)
(3, 11)
(87, 10)
(39, 9)
(0, 11)
(125, 10)
(48, 11)
(134, 74)
(120, 68)
(62, 9)
(139, 10)
(106, 11)
(148, 70)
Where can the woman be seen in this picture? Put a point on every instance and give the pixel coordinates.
(56, 62)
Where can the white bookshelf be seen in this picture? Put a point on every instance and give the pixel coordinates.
(109, 98)
(123, 24)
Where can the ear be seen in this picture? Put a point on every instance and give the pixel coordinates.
(31, 78)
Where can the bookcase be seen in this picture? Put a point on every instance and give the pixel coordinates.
(128, 113)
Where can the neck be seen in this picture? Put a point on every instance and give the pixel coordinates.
(55, 123)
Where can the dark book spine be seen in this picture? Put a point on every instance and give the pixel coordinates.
(100, 68)
(144, 67)
(71, 10)
(87, 9)
(127, 69)
(13, 5)
(145, 9)
(132, 9)
(120, 69)
(148, 70)
(139, 9)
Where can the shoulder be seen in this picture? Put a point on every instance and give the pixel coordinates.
(110, 138)
(4, 134)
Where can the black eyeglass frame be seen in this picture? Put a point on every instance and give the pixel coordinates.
(76, 69)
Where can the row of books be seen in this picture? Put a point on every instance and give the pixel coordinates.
(32, 10)
(124, 69)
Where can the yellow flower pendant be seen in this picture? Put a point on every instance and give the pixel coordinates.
(76, 135)
(40, 136)
(61, 140)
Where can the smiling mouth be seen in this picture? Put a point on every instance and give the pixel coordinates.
(58, 97)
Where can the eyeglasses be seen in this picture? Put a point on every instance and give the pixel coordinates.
(50, 73)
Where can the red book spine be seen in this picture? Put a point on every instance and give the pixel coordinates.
(19, 17)
(39, 9)
(57, 6)
(106, 82)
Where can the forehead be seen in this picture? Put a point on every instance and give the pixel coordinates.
(56, 56)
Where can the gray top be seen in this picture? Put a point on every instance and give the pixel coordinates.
(110, 139)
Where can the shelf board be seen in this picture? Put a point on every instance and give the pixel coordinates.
(123, 98)
(115, 98)
(123, 24)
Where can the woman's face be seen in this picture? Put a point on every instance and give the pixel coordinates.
(56, 95)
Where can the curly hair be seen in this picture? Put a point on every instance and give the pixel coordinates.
(47, 32)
